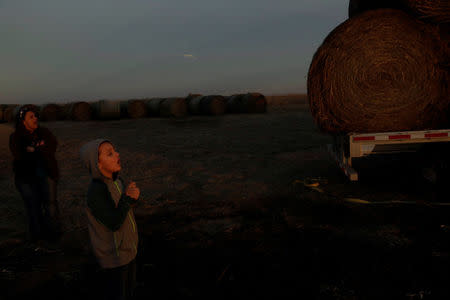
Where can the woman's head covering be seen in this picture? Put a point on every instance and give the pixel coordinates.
(20, 116)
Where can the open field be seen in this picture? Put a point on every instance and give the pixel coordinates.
(226, 211)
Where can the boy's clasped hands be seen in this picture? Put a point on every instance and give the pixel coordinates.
(132, 190)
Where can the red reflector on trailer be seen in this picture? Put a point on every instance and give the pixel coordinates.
(399, 136)
(363, 138)
(434, 135)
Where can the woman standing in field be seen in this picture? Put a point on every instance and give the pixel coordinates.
(36, 173)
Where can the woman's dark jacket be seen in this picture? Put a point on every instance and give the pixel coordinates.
(28, 165)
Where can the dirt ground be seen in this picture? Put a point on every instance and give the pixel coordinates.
(226, 211)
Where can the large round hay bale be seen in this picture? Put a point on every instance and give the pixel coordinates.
(378, 71)
(123, 109)
(434, 11)
(4, 115)
(153, 106)
(356, 7)
(80, 111)
(234, 103)
(206, 105)
(10, 112)
(173, 107)
(51, 112)
(193, 104)
(135, 108)
(107, 109)
(247, 103)
(254, 103)
(213, 105)
(65, 111)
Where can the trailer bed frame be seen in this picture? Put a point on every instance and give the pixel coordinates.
(346, 148)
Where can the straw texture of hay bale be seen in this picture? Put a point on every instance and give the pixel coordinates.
(378, 71)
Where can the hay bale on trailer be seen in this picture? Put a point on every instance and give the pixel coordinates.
(379, 71)
(134, 108)
(51, 112)
(173, 107)
(80, 111)
(106, 109)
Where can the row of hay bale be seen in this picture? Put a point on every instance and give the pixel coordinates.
(47, 112)
(386, 68)
(193, 104)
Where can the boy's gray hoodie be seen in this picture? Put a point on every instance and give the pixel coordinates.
(111, 223)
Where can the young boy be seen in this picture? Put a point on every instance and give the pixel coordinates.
(112, 227)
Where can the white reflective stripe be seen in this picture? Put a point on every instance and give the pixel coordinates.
(420, 135)
(382, 138)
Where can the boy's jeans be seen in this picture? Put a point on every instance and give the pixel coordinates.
(119, 283)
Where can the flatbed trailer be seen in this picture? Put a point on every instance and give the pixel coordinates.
(346, 148)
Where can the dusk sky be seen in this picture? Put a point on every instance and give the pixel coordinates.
(61, 51)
